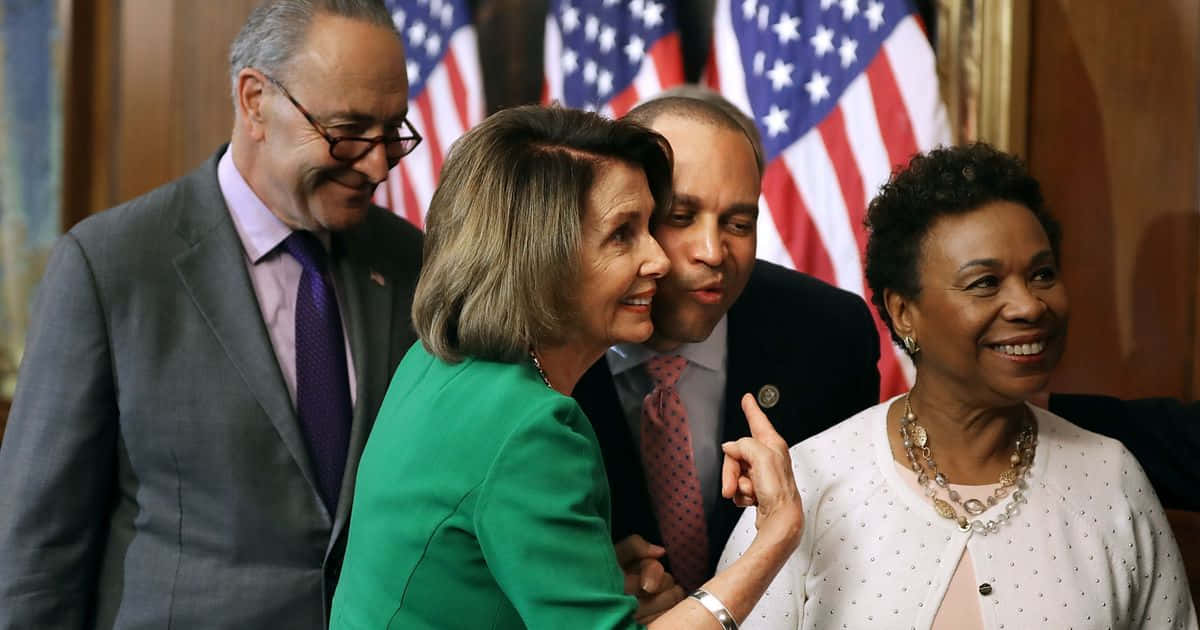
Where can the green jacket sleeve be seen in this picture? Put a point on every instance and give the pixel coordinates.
(542, 522)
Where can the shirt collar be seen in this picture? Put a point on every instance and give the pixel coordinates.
(259, 229)
(709, 353)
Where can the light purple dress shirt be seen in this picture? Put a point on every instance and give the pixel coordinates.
(274, 274)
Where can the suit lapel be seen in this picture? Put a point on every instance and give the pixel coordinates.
(741, 374)
(368, 305)
(213, 271)
(632, 512)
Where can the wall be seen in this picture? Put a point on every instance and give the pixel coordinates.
(1113, 137)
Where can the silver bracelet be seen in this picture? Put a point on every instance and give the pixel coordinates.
(714, 606)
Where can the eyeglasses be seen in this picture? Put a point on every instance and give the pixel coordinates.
(397, 141)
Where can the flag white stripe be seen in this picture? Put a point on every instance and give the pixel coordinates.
(419, 164)
(731, 83)
(909, 51)
(552, 55)
(817, 182)
(770, 246)
(466, 53)
(731, 77)
(445, 112)
(862, 131)
(646, 81)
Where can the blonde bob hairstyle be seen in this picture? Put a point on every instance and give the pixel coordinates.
(501, 253)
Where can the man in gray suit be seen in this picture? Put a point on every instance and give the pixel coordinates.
(206, 360)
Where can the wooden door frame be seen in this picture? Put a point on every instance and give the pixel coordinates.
(983, 69)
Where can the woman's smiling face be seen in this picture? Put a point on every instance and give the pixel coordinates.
(620, 262)
(991, 316)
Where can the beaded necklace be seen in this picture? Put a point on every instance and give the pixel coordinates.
(916, 439)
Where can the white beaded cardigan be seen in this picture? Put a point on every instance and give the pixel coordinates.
(1091, 547)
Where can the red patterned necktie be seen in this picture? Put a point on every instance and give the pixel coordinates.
(671, 473)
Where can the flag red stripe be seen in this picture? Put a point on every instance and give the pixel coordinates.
(412, 209)
(458, 90)
(668, 60)
(793, 223)
(431, 135)
(623, 102)
(711, 75)
(891, 378)
(894, 123)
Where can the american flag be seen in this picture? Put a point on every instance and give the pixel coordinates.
(607, 55)
(445, 96)
(843, 91)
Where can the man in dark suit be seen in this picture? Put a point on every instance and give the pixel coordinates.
(1162, 433)
(806, 350)
(206, 360)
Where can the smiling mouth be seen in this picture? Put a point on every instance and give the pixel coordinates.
(637, 301)
(1020, 349)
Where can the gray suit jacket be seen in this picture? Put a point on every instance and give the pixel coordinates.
(154, 474)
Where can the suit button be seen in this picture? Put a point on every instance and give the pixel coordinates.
(985, 589)
(768, 396)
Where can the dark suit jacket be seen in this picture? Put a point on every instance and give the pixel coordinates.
(1162, 433)
(815, 342)
(154, 473)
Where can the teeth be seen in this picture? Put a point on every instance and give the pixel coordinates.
(637, 301)
(1022, 349)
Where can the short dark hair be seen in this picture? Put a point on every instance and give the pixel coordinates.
(501, 254)
(702, 104)
(944, 181)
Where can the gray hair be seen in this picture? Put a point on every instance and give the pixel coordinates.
(276, 30)
(700, 103)
(501, 254)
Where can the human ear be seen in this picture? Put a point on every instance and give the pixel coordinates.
(251, 102)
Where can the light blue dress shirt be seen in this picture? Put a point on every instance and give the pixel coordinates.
(702, 389)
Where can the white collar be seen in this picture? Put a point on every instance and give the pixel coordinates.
(709, 353)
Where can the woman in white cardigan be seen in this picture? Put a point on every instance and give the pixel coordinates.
(958, 505)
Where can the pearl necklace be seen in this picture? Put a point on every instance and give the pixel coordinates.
(914, 437)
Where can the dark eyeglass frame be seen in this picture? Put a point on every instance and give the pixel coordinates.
(415, 137)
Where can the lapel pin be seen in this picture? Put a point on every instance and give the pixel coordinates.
(378, 278)
(768, 396)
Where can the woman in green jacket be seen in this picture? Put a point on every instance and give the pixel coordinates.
(481, 499)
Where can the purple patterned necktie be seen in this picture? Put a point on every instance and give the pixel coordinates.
(322, 380)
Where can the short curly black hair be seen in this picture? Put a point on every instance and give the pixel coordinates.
(944, 181)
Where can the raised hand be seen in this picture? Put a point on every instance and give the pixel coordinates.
(758, 470)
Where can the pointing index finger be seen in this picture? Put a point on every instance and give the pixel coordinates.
(760, 426)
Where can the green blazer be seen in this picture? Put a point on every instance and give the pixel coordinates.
(481, 502)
